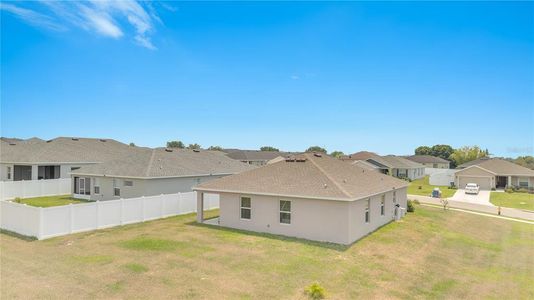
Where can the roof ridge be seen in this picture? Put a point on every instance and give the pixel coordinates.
(150, 162)
(330, 178)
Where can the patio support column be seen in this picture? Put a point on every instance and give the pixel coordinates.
(509, 183)
(200, 207)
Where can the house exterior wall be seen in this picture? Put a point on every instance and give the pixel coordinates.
(64, 169)
(409, 173)
(437, 165)
(341, 222)
(358, 228)
(320, 220)
(140, 187)
(485, 179)
(517, 179)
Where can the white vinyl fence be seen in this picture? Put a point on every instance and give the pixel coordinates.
(443, 177)
(49, 222)
(34, 188)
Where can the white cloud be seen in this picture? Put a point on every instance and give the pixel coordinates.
(32, 17)
(103, 17)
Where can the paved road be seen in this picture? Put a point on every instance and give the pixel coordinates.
(483, 197)
(507, 212)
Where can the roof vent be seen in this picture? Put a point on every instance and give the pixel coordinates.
(12, 144)
(49, 141)
(325, 186)
(103, 140)
(317, 154)
(75, 139)
(168, 150)
(196, 150)
(301, 159)
(344, 180)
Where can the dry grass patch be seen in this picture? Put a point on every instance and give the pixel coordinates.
(430, 254)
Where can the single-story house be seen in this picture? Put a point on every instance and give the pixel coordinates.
(254, 157)
(311, 196)
(390, 164)
(495, 173)
(149, 172)
(430, 161)
(36, 159)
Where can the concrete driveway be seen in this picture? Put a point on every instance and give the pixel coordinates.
(483, 197)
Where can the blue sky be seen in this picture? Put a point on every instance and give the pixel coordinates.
(385, 77)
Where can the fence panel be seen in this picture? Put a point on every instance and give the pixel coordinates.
(34, 188)
(20, 218)
(61, 220)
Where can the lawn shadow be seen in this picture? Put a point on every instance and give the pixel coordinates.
(326, 245)
(18, 236)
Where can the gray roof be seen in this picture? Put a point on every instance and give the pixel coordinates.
(255, 155)
(62, 150)
(388, 161)
(473, 162)
(161, 162)
(427, 159)
(307, 176)
(503, 167)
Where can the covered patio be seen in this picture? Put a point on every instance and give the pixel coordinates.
(207, 201)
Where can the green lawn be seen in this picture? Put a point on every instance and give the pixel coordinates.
(513, 200)
(50, 201)
(430, 254)
(426, 188)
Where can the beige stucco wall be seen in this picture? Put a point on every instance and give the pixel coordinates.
(142, 187)
(438, 165)
(340, 222)
(485, 179)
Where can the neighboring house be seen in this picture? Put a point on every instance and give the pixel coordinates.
(254, 157)
(430, 161)
(310, 196)
(149, 172)
(495, 173)
(365, 165)
(35, 159)
(390, 164)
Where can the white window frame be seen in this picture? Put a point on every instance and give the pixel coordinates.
(383, 205)
(115, 189)
(280, 212)
(9, 172)
(368, 211)
(81, 187)
(96, 187)
(523, 180)
(129, 184)
(241, 207)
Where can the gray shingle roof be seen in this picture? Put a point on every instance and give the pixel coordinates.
(251, 155)
(161, 162)
(388, 161)
(316, 177)
(63, 149)
(427, 159)
(503, 167)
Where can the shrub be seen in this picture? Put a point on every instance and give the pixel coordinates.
(493, 189)
(411, 207)
(17, 200)
(315, 291)
(416, 201)
(509, 190)
(522, 190)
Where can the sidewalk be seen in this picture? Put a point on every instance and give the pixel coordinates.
(493, 210)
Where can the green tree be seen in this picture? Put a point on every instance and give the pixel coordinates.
(215, 148)
(337, 154)
(467, 154)
(443, 151)
(269, 148)
(525, 161)
(132, 145)
(316, 149)
(175, 144)
(193, 146)
(423, 150)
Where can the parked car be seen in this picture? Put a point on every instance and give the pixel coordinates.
(472, 188)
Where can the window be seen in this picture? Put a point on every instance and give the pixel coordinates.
(97, 189)
(383, 205)
(434, 165)
(367, 210)
(128, 183)
(523, 182)
(74, 168)
(117, 191)
(285, 212)
(9, 173)
(246, 208)
(82, 186)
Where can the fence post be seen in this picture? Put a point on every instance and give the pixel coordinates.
(162, 206)
(142, 208)
(122, 211)
(71, 218)
(40, 229)
(97, 210)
